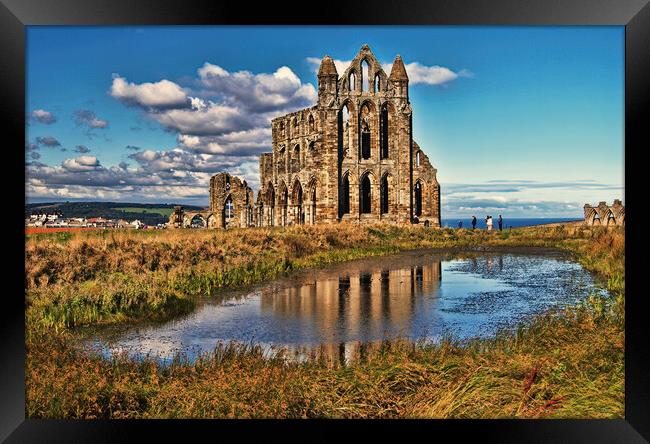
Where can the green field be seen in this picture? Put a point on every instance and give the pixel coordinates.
(162, 211)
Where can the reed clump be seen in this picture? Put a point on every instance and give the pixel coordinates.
(564, 364)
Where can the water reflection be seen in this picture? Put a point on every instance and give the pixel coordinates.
(342, 312)
(364, 303)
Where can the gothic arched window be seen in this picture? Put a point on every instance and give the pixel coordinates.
(418, 199)
(365, 140)
(365, 205)
(384, 194)
(365, 76)
(384, 132)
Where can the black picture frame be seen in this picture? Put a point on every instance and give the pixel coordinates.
(15, 15)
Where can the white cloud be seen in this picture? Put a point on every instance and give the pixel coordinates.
(161, 94)
(262, 92)
(81, 163)
(222, 112)
(246, 142)
(428, 75)
(42, 116)
(204, 117)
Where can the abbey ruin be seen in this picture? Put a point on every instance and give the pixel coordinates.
(604, 214)
(351, 157)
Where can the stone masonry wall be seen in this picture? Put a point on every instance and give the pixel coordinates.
(317, 154)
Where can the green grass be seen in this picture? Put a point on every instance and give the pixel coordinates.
(564, 364)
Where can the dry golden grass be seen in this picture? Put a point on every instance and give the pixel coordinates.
(563, 364)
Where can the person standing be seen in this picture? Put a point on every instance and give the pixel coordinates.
(473, 222)
(460, 224)
(500, 222)
(488, 221)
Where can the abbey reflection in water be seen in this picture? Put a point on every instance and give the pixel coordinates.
(343, 310)
(360, 303)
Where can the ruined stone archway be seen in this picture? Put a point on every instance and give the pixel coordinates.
(283, 203)
(228, 212)
(198, 221)
(297, 209)
(310, 207)
(365, 194)
(384, 193)
(344, 195)
(418, 192)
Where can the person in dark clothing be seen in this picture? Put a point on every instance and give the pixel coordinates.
(473, 222)
(460, 224)
(500, 221)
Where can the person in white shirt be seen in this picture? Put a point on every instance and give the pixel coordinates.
(488, 221)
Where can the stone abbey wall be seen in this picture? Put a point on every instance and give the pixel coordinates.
(350, 157)
(605, 215)
(231, 206)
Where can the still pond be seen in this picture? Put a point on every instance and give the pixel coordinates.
(416, 295)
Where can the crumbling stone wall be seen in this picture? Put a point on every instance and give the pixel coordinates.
(351, 156)
(231, 202)
(231, 205)
(605, 215)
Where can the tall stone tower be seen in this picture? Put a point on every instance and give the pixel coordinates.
(351, 157)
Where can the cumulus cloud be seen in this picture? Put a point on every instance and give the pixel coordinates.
(417, 72)
(82, 149)
(220, 112)
(81, 163)
(152, 95)
(175, 175)
(257, 93)
(42, 116)
(35, 155)
(85, 117)
(221, 120)
(48, 141)
(236, 143)
(205, 118)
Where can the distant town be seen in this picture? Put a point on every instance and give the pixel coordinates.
(55, 220)
(73, 215)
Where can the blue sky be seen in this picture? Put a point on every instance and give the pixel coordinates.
(522, 121)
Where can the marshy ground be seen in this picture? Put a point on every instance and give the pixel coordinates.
(564, 363)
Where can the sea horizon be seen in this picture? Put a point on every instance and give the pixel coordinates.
(449, 222)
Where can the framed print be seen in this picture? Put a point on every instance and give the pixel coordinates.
(397, 217)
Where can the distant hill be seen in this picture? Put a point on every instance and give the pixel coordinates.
(150, 214)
